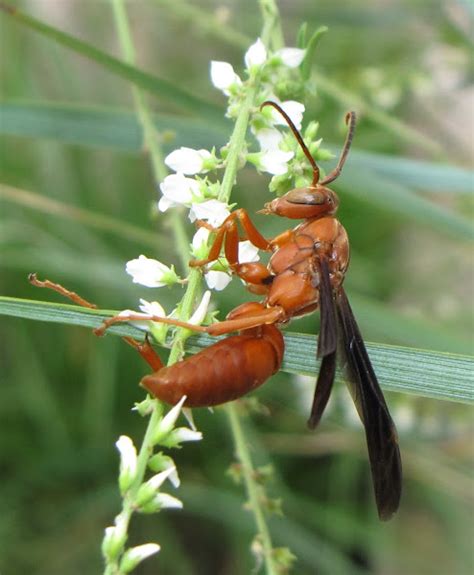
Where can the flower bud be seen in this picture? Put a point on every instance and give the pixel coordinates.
(135, 555)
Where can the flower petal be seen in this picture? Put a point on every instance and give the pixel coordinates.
(213, 211)
(248, 252)
(275, 162)
(178, 190)
(294, 109)
(269, 138)
(187, 160)
(256, 55)
(223, 75)
(217, 280)
(291, 57)
(200, 312)
(146, 271)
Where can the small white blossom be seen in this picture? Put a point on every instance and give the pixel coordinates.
(187, 161)
(291, 57)
(152, 308)
(269, 139)
(223, 76)
(168, 421)
(212, 211)
(166, 501)
(275, 161)
(150, 273)
(200, 312)
(183, 434)
(135, 555)
(157, 480)
(177, 190)
(294, 109)
(217, 280)
(256, 55)
(128, 462)
(199, 243)
(248, 252)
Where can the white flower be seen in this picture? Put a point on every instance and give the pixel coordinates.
(157, 480)
(157, 329)
(135, 555)
(269, 138)
(217, 280)
(291, 57)
(294, 109)
(223, 76)
(150, 272)
(275, 161)
(152, 308)
(248, 252)
(200, 312)
(199, 243)
(128, 462)
(183, 434)
(187, 161)
(166, 501)
(177, 190)
(168, 421)
(213, 211)
(256, 55)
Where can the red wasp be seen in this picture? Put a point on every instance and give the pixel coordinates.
(305, 272)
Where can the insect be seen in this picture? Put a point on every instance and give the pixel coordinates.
(305, 273)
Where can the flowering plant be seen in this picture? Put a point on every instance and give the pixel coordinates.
(194, 185)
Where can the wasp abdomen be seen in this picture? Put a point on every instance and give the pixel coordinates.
(222, 372)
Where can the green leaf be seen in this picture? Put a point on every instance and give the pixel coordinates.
(158, 86)
(102, 127)
(311, 51)
(428, 176)
(420, 372)
(403, 202)
(119, 129)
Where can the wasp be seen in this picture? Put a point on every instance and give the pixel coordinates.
(305, 273)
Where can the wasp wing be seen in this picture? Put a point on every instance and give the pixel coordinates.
(382, 440)
(327, 345)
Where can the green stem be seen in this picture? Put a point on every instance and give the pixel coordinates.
(270, 27)
(243, 454)
(151, 144)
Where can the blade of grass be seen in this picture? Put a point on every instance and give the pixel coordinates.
(428, 176)
(119, 129)
(403, 202)
(103, 127)
(158, 86)
(101, 222)
(420, 372)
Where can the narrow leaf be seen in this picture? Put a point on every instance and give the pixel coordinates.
(420, 372)
(163, 88)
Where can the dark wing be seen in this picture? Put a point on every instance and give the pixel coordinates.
(327, 340)
(382, 440)
(327, 344)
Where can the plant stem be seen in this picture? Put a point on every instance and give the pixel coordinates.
(151, 144)
(270, 27)
(243, 455)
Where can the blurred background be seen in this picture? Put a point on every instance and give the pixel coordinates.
(79, 201)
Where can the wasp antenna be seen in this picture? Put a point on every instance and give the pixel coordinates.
(297, 134)
(351, 122)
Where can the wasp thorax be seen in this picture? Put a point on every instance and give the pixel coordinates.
(301, 203)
